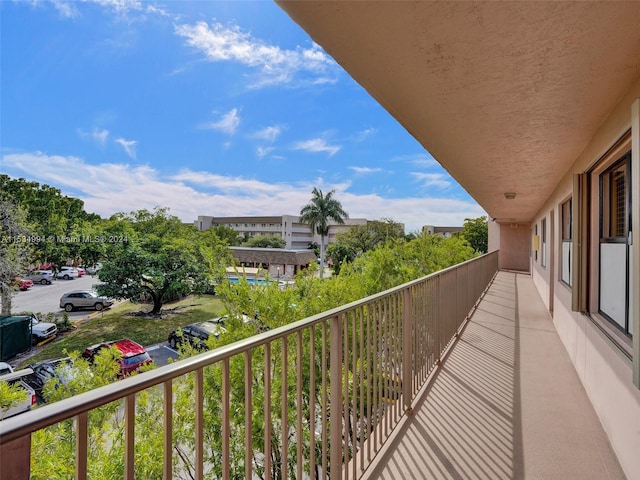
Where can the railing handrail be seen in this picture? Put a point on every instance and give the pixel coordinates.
(34, 420)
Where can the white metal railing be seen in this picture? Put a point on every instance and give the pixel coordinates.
(325, 392)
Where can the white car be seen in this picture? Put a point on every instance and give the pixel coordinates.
(42, 330)
(68, 273)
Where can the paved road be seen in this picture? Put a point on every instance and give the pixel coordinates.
(46, 298)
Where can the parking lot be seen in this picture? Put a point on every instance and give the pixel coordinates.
(45, 298)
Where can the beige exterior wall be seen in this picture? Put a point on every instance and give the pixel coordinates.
(514, 243)
(604, 369)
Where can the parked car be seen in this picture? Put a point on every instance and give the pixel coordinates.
(40, 330)
(133, 357)
(59, 370)
(93, 269)
(5, 368)
(77, 299)
(23, 283)
(197, 334)
(17, 378)
(68, 273)
(81, 271)
(43, 277)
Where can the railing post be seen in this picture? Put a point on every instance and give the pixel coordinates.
(407, 350)
(16, 459)
(335, 359)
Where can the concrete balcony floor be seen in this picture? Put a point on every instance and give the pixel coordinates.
(506, 404)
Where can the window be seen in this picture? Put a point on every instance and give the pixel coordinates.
(615, 220)
(567, 242)
(536, 246)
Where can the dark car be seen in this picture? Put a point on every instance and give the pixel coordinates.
(133, 356)
(196, 334)
(60, 370)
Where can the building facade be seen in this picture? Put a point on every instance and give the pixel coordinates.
(446, 232)
(297, 235)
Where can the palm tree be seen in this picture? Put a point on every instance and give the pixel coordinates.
(317, 214)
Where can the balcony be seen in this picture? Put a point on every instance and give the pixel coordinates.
(456, 375)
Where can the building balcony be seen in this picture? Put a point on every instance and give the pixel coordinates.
(456, 375)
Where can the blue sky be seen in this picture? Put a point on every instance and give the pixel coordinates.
(208, 108)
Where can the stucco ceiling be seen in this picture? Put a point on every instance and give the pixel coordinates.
(505, 95)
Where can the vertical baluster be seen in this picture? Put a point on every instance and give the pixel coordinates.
(312, 402)
(299, 439)
(267, 411)
(199, 466)
(168, 431)
(226, 427)
(248, 414)
(285, 412)
(129, 436)
(336, 398)
(325, 405)
(82, 440)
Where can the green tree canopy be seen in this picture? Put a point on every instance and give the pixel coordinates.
(361, 238)
(157, 255)
(266, 241)
(14, 248)
(476, 232)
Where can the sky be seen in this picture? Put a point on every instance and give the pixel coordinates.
(205, 107)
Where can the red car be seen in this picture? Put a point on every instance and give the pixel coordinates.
(133, 357)
(23, 283)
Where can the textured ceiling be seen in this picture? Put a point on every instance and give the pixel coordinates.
(505, 95)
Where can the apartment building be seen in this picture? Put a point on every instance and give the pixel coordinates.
(297, 235)
(446, 232)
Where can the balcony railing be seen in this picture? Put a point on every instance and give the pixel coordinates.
(320, 397)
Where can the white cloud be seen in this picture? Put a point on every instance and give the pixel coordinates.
(262, 152)
(317, 145)
(418, 160)
(98, 135)
(120, 7)
(268, 134)
(128, 145)
(273, 64)
(365, 170)
(109, 188)
(362, 135)
(438, 180)
(228, 123)
(65, 9)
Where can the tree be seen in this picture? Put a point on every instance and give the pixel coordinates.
(15, 246)
(266, 241)
(476, 232)
(59, 223)
(226, 233)
(361, 238)
(162, 258)
(318, 212)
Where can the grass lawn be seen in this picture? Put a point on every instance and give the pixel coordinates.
(115, 324)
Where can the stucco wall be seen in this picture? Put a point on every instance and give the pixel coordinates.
(604, 370)
(514, 244)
